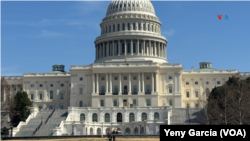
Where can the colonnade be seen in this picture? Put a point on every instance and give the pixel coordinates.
(141, 82)
(131, 47)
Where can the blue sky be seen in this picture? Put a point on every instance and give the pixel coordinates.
(37, 35)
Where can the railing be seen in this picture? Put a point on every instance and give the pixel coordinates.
(147, 92)
(101, 93)
(115, 93)
(135, 93)
(49, 116)
(38, 128)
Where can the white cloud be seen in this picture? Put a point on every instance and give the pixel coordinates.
(46, 33)
(168, 33)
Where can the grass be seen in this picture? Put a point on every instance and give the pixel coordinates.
(100, 139)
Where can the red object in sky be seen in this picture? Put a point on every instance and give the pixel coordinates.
(219, 16)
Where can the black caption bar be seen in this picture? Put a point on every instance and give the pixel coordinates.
(204, 131)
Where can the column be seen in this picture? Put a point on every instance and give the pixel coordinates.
(158, 47)
(143, 82)
(95, 51)
(139, 83)
(45, 91)
(165, 47)
(66, 93)
(107, 83)
(93, 80)
(119, 47)
(175, 83)
(156, 82)
(97, 84)
(107, 49)
(153, 82)
(161, 49)
(179, 82)
(120, 84)
(36, 96)
(125, 46)
(110, 83)
(155, 48)
(129, 83)
(138, 44)
(113, 54)
(150, 49)
(143, 52)
(131, 47)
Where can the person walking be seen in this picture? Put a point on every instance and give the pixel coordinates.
(110, 137)
(113, 135)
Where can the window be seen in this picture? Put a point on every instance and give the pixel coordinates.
(196, 83)
(128, 26)
(197, 105)
(148, 27)
(218, 82)
(82, 117)
(109, 28)
(116, 89)
(41, 85)
(61, 107)
(131, 117)
(139, 47)
(106, 29)
(196, 94)
(187, 93)
(156, 116)
(134, 77)
(134, 89)
(207, 82)
(134, 102)
(128, 48)
(129, 5)
(51, 85)
(187, 83)
(103, 78)
(80, 78)
(170, 77)
(32, 85)
(50, 107)
(123, 48)
(51, 94)
(41, 96)
(124, 5)
(81, 91)
(94, 117)
(80, 104)
(188, 105)
(115, 103)
(102, 103)
(62, 96)
(123, 26)
(143, 116)
(144, 27)
(170, 102)
(113, 27)
(148, 89)
(116, 78)
(125, 78)
(139, 26)
(134, 50)
(40, 107)
(62, 85)
(118, 27)
(170, 89)
(107, 117)
(32, 96)
(103, 90)
(147, 77)
(148, 102)
(133, 26)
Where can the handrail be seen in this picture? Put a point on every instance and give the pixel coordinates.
(49, 116)
(37, 128)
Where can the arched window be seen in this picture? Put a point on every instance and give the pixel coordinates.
(116, 89)
(103, 90)
(156, 116)
(128, 48)
(143, 116)
(94, 117)
(131, 117)
(148, 89)
(134, 89)
(82, 117)
(119, 117)
(51, 95)
(107, 117)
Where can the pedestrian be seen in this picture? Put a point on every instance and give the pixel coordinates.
(113, 132)
(114, 136)
(116, 132)
(110, 137)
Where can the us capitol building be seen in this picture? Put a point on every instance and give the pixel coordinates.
(131, 86)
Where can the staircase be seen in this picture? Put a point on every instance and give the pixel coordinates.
(43, 124)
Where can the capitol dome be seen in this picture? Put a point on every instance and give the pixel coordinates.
(131, 30)
(130, 6)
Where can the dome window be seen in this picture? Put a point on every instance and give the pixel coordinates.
(129, 5)
(124, 5)
(120, 5)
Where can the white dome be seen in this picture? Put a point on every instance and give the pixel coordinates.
(130, 6)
